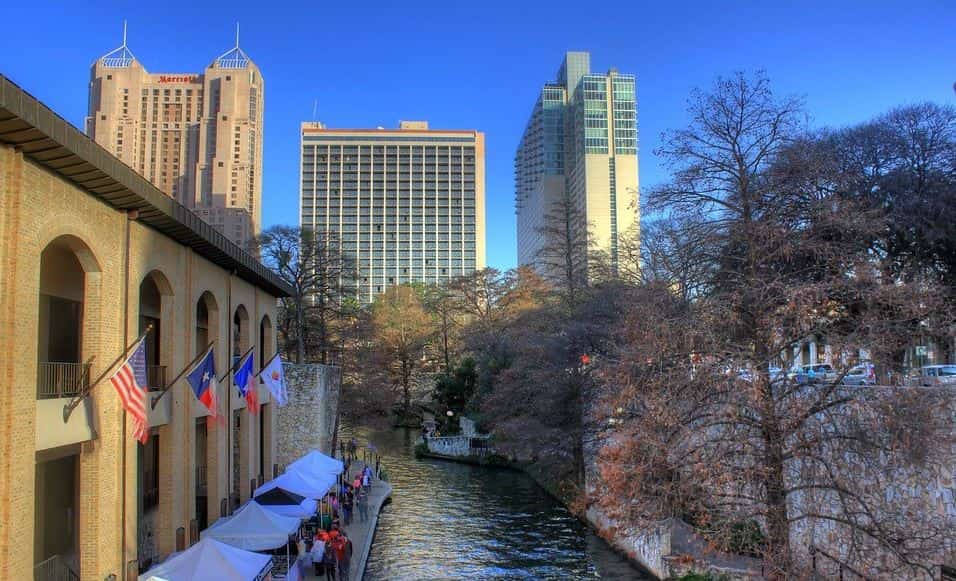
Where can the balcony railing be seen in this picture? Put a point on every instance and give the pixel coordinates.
(56, 379)
(54, 569)
(156, 377)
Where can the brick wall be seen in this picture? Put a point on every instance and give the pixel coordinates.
(38, 207)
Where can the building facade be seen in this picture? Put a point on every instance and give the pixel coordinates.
(579, 151)
(93, 255)
(197, 137)
(408, 204)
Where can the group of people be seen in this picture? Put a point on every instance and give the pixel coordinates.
(329, 551)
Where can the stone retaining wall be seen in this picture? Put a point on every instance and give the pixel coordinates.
(308, 420)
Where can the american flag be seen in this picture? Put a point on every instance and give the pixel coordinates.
(130, 384)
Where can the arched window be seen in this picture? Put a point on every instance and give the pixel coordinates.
(155, 304)
(207, 321)
(266, 342)
(65, 265)
(240, 331)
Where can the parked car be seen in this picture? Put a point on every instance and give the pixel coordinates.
(863, 374)
(819, 373)
(747, 375)
(937, 375)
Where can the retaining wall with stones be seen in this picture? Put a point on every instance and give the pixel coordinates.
(308, 420)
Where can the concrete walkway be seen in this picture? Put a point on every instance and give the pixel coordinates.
(362, 532)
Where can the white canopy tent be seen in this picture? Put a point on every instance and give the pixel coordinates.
(300, 484)
(253, 528)
(306, 509)
(285, 503)
(316, 465)
(211, 559)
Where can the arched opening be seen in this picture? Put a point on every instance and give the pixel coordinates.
(155, 320)
(266, 352)
(155, 298)
(64, 264)
(240, 427)
(240, 331)
(66, 268)
(207, 321)
(207, 331)
(266, 341)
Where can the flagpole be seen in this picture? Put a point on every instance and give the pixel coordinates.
(267, 363)
(236, 364)
(130, 216)
(229, 426)
(187, 369)
(75, 401)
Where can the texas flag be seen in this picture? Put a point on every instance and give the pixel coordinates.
(246, 382)
(204, 383)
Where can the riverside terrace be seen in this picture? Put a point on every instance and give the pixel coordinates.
(242, 543)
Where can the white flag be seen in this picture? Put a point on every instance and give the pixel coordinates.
(272, 377)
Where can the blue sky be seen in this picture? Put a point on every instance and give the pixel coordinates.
(480, 65)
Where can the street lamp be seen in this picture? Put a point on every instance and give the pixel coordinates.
(449, 413)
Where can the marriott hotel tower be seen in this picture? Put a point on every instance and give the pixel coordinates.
(197, 137)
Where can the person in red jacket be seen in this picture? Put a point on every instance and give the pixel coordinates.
(342, 546)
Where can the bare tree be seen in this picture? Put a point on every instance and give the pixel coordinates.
(313, 264)
(444, 307)
(478, 294)
(707, 431)
(563, 258)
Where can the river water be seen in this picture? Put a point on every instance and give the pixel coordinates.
(455, 521)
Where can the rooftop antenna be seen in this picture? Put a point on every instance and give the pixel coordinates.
(118, 57)
(315, 107)
(237, 34)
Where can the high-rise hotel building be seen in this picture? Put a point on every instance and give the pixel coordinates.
(580, 143)
(197, 137)
(408, 204)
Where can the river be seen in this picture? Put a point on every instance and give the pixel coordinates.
(455, 521)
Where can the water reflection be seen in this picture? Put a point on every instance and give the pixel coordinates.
(454, 521)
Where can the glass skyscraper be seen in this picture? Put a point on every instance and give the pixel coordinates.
(408, 204)
(580, 142)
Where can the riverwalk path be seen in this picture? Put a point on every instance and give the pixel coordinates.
(362, 532)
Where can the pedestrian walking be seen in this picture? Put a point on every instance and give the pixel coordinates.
(347, 503)
(363, 505)
(342, 449)
(366, 481)
(343, 555)
(378, 462)
(300, 551)
(328, 562)
(318, 555)
(305, 557)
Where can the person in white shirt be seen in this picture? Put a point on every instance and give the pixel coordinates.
(318, 552)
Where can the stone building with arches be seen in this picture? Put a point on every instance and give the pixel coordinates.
(92, 256)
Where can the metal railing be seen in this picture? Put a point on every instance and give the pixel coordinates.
(56, 379)
(156, 377)
(54, 569)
